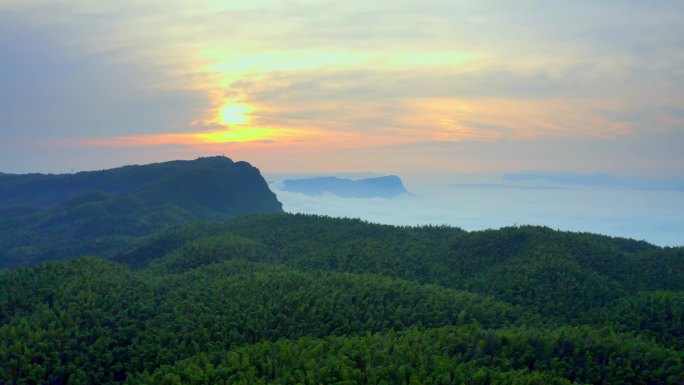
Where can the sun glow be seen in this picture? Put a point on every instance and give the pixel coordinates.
(240, 135)
(234, 113)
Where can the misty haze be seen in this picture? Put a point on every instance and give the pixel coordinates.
(321, 192)
(639, 208)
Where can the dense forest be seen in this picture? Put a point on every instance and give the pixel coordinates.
(45, 217)
(299, 299)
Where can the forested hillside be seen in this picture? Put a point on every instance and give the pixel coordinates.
(46, 217)
(296, 299)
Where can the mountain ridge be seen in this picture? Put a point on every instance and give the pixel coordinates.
(109, 209)
(44, 190)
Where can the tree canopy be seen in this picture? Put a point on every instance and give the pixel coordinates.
(298, 299)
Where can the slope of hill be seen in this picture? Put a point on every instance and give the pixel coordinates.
(197, 293)
(380, 187)
(214, 184)
(288, 299)
(101, 212)
(512, 264)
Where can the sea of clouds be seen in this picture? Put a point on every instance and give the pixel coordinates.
(651, 212)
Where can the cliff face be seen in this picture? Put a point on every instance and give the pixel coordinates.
(214, 184)
(103, 212)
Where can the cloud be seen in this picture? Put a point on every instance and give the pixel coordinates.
(502, 186)
(50, 92)
(649, 215)
(350, 78)
(597, 180)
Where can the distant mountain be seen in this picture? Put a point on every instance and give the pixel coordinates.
(381, 187)
(42, 215)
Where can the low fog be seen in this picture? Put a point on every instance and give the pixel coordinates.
(482, 201)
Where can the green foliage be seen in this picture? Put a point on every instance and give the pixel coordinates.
(295, 299)
(210, 250)
(448, 355)
(108, 212)
(96, 314)
(657, 314)
(560, 275)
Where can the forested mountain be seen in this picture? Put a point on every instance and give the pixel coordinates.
(214, 183)
(104, 212)
(297, 299)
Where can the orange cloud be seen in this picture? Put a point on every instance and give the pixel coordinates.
(231, 135)
(407, 121)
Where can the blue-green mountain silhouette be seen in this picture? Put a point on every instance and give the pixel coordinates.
(381, 187)
(42, 215)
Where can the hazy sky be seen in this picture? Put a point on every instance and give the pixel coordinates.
(312, 86)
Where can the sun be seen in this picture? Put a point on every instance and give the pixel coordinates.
(234, 113)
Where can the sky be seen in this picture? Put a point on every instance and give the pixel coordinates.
(345, 86)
